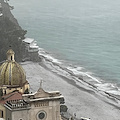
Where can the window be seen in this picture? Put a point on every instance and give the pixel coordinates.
(41, 115)
(11, 57)
(5, 92)
(2, 114)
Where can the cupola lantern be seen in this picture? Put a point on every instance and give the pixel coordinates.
(10, 55)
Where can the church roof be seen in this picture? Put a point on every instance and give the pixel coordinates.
(11, 73)
(11, 97)
(14, 101)
(42, 95)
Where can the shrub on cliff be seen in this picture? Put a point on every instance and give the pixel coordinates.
(10, 35)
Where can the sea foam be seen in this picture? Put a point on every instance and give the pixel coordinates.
(72, 72)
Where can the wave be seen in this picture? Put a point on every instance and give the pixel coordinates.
(78, 73)
(47, 56)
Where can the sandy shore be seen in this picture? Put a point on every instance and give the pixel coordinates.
(82, 99)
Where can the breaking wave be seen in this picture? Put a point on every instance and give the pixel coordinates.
(78, 73)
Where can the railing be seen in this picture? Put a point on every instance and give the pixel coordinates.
(15, 104)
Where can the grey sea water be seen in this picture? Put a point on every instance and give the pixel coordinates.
(83, 32)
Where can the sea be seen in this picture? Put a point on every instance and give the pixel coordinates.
(83, 35)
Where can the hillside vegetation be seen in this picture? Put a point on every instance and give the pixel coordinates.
(11, 34)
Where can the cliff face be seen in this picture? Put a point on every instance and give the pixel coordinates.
(11, 34)
(7, 13)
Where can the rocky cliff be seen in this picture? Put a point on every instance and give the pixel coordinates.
(11, 34)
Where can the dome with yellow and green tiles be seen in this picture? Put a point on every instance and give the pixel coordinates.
(11, 73)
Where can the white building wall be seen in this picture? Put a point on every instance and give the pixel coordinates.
(52, 111)
(50, 108)
(17, 115)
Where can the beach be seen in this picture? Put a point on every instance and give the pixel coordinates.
(81, 98)
(79, 37)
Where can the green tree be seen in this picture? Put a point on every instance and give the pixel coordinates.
(11, 35)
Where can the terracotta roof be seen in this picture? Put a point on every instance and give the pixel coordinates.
(11, 96)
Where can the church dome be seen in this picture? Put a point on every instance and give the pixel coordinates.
(11, 73)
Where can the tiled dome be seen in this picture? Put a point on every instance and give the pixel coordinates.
(11, 73)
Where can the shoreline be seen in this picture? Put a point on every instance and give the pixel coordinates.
(108, 88)
(83, 92)
(80, 97)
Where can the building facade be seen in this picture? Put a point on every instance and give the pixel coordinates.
(40, 105)
(16, 103)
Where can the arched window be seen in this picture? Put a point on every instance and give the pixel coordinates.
(5, 92)
(11, 57)
(2, 114)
